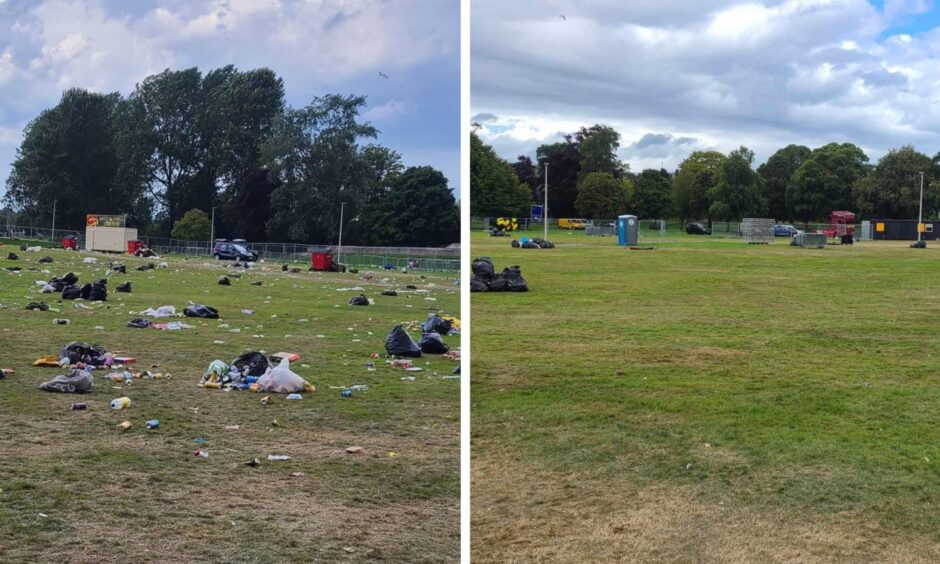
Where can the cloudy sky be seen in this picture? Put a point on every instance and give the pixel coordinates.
(674, 76)
(316, 46)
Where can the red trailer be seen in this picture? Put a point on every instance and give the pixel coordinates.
(70, 242)
(841, 223)
(134, 245)
(321, 258)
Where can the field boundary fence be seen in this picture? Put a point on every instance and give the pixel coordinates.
(414, 258)
(45, 234)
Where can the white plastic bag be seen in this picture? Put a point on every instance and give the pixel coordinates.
(281, 380)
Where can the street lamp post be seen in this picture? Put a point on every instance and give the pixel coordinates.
(920, 211)
(212, 232)
(339, 252)
(53, 219)
(545, 207)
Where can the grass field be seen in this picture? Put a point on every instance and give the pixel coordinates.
(707, 401)
(141, 496)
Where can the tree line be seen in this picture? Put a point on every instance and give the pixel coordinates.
(587, 179)
(184, 142)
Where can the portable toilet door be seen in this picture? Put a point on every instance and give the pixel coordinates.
(628, 230)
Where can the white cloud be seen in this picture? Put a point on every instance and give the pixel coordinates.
(899, 8)
(760, 73)
(389, 110)
(316, 46)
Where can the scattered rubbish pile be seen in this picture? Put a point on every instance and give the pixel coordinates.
(360, 300)
(78, 352)
(533, 243)
(484, 279)
(253, 371)
(125, 287)
(60, 284)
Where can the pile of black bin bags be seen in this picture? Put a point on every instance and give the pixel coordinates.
(485, 280)
(533, 243)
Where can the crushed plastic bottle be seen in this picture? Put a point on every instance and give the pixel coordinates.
(153, 424)
(121, 403)
(294, 396)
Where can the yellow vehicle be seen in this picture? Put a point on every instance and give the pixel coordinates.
(573, 223)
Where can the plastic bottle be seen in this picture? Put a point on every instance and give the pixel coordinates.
(77, 406)
(346, 393)
(64, 362)
(60, 321)
(294, 396)
(153, 424)
(121, 403)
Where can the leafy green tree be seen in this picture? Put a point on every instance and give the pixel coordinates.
(776, 173)
(892, 189)
(495, 191)
(172, 109)
(696, 176)
(253, 205)
(738, 191)
(68, 155)
(824, 181)
(597, 146)
(652, 194)
(528, 174)
(601, 196)
(315, 157)
(564, 164)
(193, 226)
(382, 166)
(420, 210)
(198, 135)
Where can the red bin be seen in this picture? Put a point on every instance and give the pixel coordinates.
(133, 245)
(321, 258)
(70, 242)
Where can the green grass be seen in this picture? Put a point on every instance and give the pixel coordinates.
(799, 384)
(143, 496)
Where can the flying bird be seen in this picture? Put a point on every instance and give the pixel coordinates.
(382, 74)
(562, 17)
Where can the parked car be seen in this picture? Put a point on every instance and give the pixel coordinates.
(783, 230)
(565, 223)
(228, 250)
(697, 229)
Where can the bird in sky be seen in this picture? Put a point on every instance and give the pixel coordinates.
(382, 74)
(562, 17)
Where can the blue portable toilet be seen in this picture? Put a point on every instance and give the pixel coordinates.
(628, 230)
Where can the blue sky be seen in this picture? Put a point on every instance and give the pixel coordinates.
(675, 76)
(318, 47)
